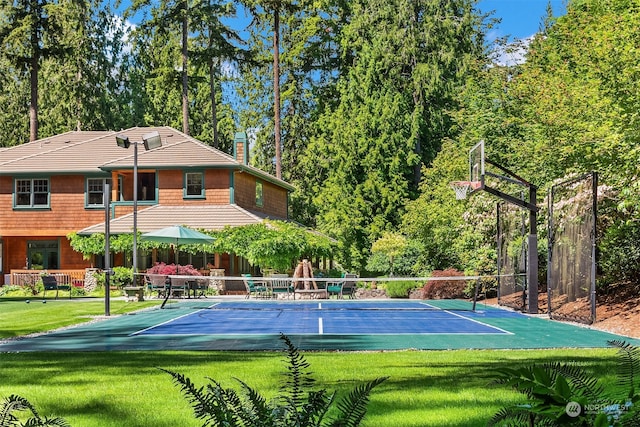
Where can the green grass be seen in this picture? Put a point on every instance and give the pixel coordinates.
(425, 388)
(17, 317)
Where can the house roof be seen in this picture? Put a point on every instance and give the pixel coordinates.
(97, 152)
(204, 217)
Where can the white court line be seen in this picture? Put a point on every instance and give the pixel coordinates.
(479, 322)
(169, 321)
(320, 326)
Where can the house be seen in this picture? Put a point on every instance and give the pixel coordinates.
(55, 186)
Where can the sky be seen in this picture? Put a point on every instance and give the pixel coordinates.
(520, 18)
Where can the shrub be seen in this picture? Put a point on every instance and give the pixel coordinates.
(293, 407)
(445, 289)
(15, 403)
(565, 394)
(167, 269)
(12, 290)
(121, 277)
(400, 289)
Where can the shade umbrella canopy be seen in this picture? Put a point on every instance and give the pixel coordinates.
(178, 235)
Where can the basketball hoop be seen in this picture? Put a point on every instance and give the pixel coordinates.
(462, 188)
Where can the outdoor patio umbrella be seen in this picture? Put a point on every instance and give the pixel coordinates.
(177, 235)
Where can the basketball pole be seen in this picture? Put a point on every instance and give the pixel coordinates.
(532, 240)
(477, 174)
(532, 254)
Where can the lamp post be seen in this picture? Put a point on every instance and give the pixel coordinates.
(150, 141)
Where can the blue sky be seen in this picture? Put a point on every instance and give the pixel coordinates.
(520, 18)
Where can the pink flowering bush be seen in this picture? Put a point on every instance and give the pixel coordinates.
(166, 269)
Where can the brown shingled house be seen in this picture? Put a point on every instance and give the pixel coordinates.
(55, 186)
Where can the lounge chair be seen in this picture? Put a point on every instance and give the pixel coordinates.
(257, 288)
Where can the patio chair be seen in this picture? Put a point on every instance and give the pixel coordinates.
(50, 283)
(349, 286)
(280, 285)
(179, 286)
(200, 287)
(257, 288)
(335, 288)
(156, 283)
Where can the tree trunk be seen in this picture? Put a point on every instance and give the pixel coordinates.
(33, 106)
(214, 112)
(185, 91)
(276, 91)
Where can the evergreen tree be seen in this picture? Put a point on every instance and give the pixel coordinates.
(32, 30)
(83, 87)
(409, 57)
(215, 46)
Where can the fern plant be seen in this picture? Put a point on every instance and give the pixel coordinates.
(297, 405)
(12, 404)
(566, 395)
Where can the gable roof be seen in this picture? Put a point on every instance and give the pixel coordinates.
(97, 153)
(203, 217)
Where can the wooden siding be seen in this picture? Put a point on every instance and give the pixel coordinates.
(274, 198)
(67, 211)
(15, 253)
(171, 183)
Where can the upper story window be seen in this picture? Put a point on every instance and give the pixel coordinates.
(193, 184)
(259, 195)
(146, 190)
(95, 191)
(32, 193)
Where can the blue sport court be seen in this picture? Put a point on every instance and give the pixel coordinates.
(354, 325)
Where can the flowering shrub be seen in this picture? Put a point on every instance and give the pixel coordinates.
(166, 269)
(445, 289)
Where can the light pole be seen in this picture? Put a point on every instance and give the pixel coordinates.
(150, 141)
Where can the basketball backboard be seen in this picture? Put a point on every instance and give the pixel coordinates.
(476, 166)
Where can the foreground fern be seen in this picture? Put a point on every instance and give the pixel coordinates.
(566, 395)
(297, 405)
(14, 403)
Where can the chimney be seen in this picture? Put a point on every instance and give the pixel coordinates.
(241, 148)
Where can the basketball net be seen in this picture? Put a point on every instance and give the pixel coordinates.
(462, 188)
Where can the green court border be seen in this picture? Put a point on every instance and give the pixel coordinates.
(114, 334)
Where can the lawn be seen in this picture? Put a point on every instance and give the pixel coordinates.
(27, 315)
(425, 388)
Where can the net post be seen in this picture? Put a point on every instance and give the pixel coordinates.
(532, 285)
(475, 296)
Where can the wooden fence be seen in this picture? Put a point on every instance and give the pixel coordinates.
(63, 277)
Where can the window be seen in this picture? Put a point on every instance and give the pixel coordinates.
(259, 198)
(95, 191)
(193, 184)
(32, 193)
(43, 255)
(147, 190)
